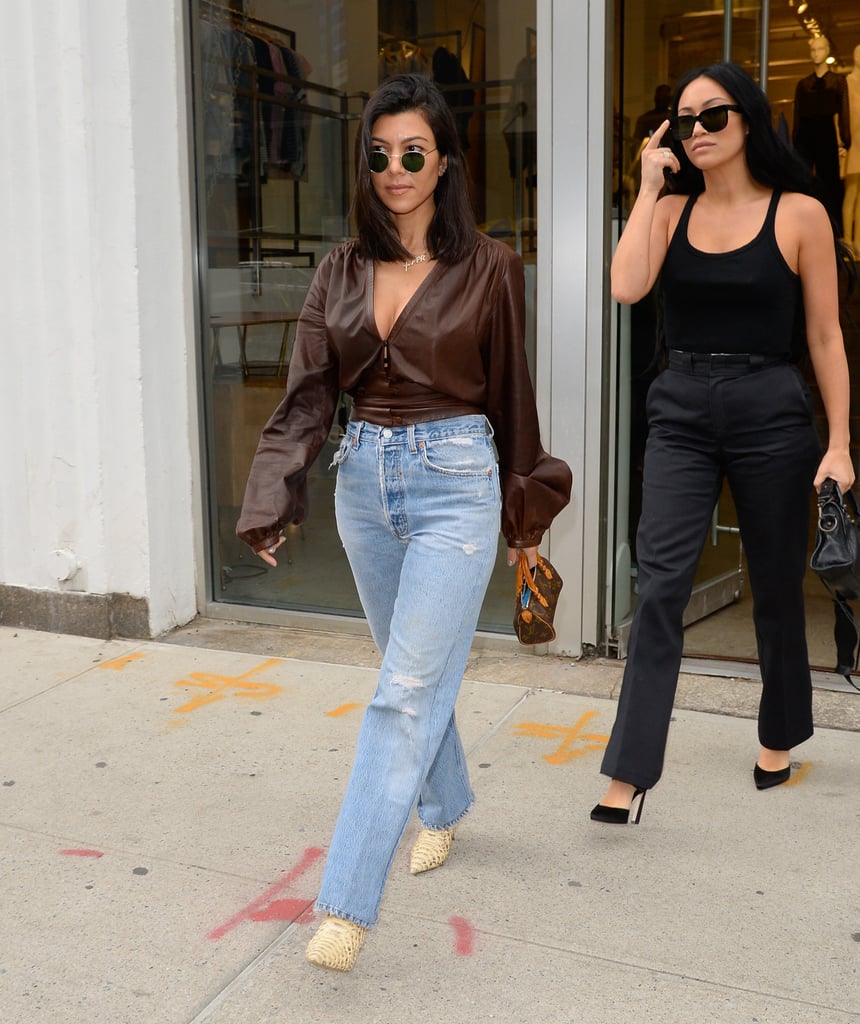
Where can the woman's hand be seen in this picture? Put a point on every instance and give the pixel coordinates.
(267, 554)
(837, 465)
(656, 159)
(641, 249)
(531, 555)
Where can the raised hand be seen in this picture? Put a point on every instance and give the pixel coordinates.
(656, 159)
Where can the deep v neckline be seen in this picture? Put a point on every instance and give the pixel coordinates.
(371, 308)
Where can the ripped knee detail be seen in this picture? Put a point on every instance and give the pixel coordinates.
(402, 694)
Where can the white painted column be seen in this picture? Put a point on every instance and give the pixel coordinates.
(97, 408)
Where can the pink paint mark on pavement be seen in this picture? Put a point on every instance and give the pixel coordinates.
(264, 903)
(81, 853)
(464, 935)
(299, 911)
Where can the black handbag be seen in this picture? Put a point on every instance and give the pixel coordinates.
(836, 555)
(836, 561)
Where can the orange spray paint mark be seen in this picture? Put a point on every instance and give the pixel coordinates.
(219, 687)
(464, 936)
(118, 664)
(81, 853)
(342, 710)
(799, 773)
(569, 735)
(260, 906)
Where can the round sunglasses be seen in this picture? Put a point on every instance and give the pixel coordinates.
(412, 161)
(714, 119)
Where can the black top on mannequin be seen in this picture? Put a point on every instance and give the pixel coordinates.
(817, 99)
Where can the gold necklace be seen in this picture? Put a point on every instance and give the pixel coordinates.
(422, 257)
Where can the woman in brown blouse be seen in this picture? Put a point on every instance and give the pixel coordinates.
(420, 321)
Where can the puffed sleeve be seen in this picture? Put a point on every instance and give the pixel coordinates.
(276, 491)
(535, 486)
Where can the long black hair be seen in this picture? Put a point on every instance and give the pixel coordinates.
(771, 162)
(452, 233)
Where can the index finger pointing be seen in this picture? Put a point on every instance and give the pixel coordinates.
(654, 141)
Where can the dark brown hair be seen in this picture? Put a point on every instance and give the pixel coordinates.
(451, 236)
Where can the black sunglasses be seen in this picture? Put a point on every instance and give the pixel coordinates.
(411, 161)
(714, 119)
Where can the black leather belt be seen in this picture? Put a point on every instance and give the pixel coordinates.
(703, 361)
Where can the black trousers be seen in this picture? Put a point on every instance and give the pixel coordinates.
(749, 420)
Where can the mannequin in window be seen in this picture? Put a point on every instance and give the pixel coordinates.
(851, 202)
(819, 98)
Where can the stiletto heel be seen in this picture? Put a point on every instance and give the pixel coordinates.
(620, 815)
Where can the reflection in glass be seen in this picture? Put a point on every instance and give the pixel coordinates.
(279, 88)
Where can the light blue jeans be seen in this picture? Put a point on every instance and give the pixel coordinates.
(418, 511)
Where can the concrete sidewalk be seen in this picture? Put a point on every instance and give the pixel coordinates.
(165, 807)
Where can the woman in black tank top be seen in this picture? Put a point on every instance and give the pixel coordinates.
(726, 218)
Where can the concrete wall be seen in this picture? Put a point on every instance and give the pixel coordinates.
(97, 410)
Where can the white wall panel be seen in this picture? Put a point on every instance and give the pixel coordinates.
(96, 407)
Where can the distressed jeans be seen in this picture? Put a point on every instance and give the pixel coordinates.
(418, 511)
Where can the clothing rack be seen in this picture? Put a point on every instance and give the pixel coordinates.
(264, 246)
(242, 19)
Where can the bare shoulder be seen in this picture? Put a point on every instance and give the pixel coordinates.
(802, 208)
(669, 210)
(804, 233)
(672, 201)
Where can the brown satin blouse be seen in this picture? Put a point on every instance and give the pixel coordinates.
(456, 348)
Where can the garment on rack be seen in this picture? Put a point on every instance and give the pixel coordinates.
(265, 86)
(228, 79)
(232, 58)
(520, 127)
(291, 157)
(284, 127)
(447, 70)
(217, 92)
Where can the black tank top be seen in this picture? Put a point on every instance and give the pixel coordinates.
(746, 300)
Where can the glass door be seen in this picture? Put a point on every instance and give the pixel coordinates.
(656, 42)
(279, 87)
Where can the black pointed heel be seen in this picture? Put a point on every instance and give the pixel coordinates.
(620, 815)
(767, 780)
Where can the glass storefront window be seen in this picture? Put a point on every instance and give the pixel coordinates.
(279, 86)
(657, 41)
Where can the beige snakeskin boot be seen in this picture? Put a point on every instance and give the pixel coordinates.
(431, 849)
(335, 944)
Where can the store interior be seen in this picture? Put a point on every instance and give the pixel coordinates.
(281, 86)
(656, 42)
